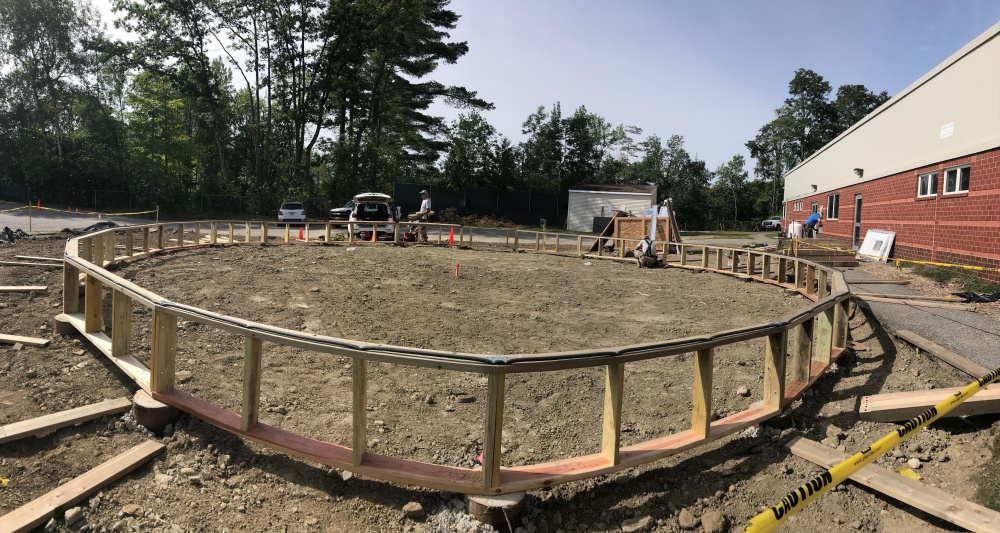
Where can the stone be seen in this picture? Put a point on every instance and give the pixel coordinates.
(637, 525)
(195, 480)
(163, 480)
(31, 374)
(834, 431)
(832, 442)
(914, 463)
(187, 471)
(714, 522)
(50, 526)
(429, 399)
(466, 399)
(183, 376)
(941, 457)
(346, 475)
(314, 289)
(743, 391)
(132, 509)
(73, 516)
(687, 520)
(413, 510)
(622, 479)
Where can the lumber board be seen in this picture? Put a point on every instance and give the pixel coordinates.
(37, 511)
(877, 281)
(50, 422)
(944, 354)
(27, 341)
(900, 406)
(25, 288)
(164, 352)
(929, 499)
(614, 387)
(774, 370)
(916, 303)
(127, 363)
(253, 350)
(494, 430)
(33, 258)
(26, 264)
(701, 406)
(910, 297)
(359, 410)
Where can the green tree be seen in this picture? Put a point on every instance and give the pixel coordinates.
(471, 160)
(731, 177)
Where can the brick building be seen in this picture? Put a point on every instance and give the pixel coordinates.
(926, 165)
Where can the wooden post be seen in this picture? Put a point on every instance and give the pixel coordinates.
(129, 237)
(515, 240)
(701, 408)
(774, 370)
(180, 234)
(395, 232)
(163, 358)
(161, 237)
(736, 260)
(751, 263)
(621, 247)
(557, 243)
(704, 256)
(494, 430)
(765, 267)
(252, 351)
(538, 236)
(98, 259)
(799, 282)
(214, 236)
(93, 321)
(824, 335)
(305, 232)
(614, 386)
(840, 325)
(802, 358)
(810, 279)
(263, 232)
(579, 244)
(470, 236)
(782, 270)
(71, 288)
(145, 240)
(232, 233)
(121, 323)
(683, 250)
(109, 247)
(350, 233)
(821, 291)
(544, 240)
(288, 230)
(719, 258)
(246, 233)
(87, 249)
(359, 423)
(440, 233)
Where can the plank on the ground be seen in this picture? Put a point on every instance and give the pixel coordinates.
(944, 354)
(32, 258)
(37, 511)
(27, 341)
(24, 288)
(916, 303)
(44, 424)
(877, 281)
(900, 406)
(929, 499)
(26, 264)
(912, 297)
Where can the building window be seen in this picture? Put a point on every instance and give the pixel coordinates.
(832, 206)
(813, 207)
(956, 180)
(927, 184)
(796, 206)
(784, 213)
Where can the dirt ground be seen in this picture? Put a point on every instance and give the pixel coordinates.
(502, 303)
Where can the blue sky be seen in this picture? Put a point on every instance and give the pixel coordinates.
(711, 71)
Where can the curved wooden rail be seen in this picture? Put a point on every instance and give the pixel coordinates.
(825, 320)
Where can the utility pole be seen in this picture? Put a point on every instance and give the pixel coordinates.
(152, 155)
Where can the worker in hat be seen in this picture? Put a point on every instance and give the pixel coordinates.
(424, 214)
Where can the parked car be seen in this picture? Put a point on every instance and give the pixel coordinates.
(372, 207)
(773, 223)
(291, 211)
(342, 213)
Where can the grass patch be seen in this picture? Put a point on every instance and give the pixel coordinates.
(934, 273)
(971, 283)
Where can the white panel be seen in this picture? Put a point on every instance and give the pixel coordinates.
(583, 207)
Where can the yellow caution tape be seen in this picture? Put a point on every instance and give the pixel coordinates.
(898, 261)
(3, 482)
(91, 212)
(907, 472)
(796, 500)
(15, 208)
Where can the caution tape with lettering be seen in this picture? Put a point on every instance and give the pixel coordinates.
(898, 261)
(795, 501)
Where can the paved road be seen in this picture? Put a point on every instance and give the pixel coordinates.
(43, 221)
(971, 335)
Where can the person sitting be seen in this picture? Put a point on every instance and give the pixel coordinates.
(809, 229)
(647, 253)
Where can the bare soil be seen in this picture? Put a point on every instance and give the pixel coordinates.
(502, 303)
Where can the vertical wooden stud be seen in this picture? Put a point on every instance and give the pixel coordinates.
(515, 240)
(129, 237)
(121, 323)
(71, 288)
(840, 325)
(109, 247)
(621, 248)
(736, 260)
(395, 232)
(774, 370)
(232, 233)
(161, 238)
(802, 357)
(751, 264)
(824, 335)
(494, 430)
(359, 433)
(87, 249)
(684, 256)
(288, 230)
(557, 242)
(252, 351)
(164, 356)
(180, 235)
(614, 386)
(701, 408)
(719, 258)
(305, 232)
(538, 241)
(765, 267)
(145, 240)
(799, 281)
(263, 232)
(821, 291)
(246, 233)
(98, 259)
(810, 279)
(93, 321)
(440, 234)
(214, 236)
(579, 244)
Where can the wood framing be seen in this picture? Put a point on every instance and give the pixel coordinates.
(782, 270)
(26, 288)
(27, 341)
(71, 288)
(614, 387)
(916, 303)
(145, 240)
(252, 352)
(774, 370)
(841, 317)
(765, 267)
(359, 416)
(902, 406)
(824, 335)
(973, 369)
(214, 235)
(54, 421)
(163, 358)
(704, 256)
(98, 241)
(121, 323)
(34, 513)
(161, 237)
(802, 354)
(701, 408)
(821, 289)
(92, 304)
(929, 499)
(492, 443)
(129, 242)
(810, 279)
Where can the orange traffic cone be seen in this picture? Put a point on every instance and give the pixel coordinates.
(374, 232)
(77, 210)
(69, 209)
(451, 237)
(39, 206)
(300, 234)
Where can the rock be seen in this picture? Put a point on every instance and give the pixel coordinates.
(429, 399)
(132, 509)
(223, 461)
(194, 480)
(31, 374)
(183, 376)
(832, 442)
(941, 457)
(637, 525)
(73, 516)
(413, 510)
(466, 399)
(913, 463)
(687, 520)
(163, 480)
(622, 479)
(743, 391)
(314, 289)
(186, 471)
(834, 431)
(714, 522)
(312, 521)
(346, 475)
(50, 526)
(18, 347)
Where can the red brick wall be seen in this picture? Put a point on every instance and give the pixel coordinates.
(955, 228)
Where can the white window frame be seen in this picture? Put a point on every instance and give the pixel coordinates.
(920, 180)
(958, 179)
(832, 210)
(813, 207)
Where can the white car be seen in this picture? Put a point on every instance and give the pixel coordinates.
(373, 207)
(773, 223)
(291, 211)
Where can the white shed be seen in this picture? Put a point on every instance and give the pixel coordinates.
(590, 200)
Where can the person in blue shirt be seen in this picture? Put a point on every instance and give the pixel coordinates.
(809, 230)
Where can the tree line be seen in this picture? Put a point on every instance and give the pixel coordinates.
(327, 98)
